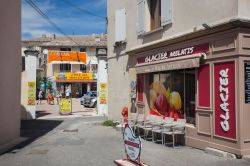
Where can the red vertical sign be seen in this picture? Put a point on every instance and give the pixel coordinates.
(224, 95)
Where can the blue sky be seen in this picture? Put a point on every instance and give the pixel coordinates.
(69, 19)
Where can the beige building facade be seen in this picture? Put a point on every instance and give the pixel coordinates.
(10, 61)
(190, 60)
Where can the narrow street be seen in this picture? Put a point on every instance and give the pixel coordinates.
(47, 111)
(83, 141)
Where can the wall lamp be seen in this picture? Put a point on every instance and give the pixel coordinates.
(206, 26)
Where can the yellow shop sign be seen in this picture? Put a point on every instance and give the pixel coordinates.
(73, 76)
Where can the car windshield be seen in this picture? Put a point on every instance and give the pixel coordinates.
(91, 94)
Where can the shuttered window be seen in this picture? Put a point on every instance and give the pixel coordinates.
(120, 25)
(140, 16)
(156, 14)
(166, 12)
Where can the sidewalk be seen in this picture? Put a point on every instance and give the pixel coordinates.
(47, 111)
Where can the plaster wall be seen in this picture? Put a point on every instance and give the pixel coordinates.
(10, 66)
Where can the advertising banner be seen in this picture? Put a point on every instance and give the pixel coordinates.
(103, 93)
(165, 100)
(31, 93)
(73, 76)
(224, 96)
(65, 106)
(67, 56)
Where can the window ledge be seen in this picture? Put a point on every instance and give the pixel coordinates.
(151, 32)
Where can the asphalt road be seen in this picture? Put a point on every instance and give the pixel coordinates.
(82, 142)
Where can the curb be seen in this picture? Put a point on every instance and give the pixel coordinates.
(220, 153)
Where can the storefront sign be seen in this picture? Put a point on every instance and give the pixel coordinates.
(73, 76)
(163, 55)
(132, 144)
(224, 82)
(247, 82)
(67, 56)
(103, 93)
(180, 64)
(31, 93)
(65, 106)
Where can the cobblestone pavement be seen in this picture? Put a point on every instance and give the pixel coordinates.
(46, 111)
(80, 142)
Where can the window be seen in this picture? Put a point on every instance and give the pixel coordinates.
(94, 68)
(93, 86)
(65, 49)
(65, 67)
(155, 14)
(120, 25)
(82, 68)
(82, 49)
(172, 94)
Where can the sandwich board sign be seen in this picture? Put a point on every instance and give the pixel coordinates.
(132, 144)
(65, 106)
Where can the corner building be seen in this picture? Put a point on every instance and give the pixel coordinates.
(193, 66)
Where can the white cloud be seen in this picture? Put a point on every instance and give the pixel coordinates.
(33, 25)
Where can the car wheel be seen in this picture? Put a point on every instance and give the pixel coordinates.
(94, 104)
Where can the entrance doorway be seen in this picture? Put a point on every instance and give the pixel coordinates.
(84, 88)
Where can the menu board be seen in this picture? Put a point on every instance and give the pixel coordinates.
(247, 82)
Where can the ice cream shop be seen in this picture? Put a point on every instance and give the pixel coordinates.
(202, 78)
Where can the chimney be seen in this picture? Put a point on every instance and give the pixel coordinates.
(54, 36)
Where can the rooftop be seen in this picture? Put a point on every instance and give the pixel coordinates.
(94, 40)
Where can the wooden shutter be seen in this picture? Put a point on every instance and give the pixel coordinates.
(120, 25)
(166, 12)
(140, 16)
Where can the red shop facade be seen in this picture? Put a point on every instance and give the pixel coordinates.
(205, 80)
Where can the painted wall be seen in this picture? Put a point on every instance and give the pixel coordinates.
(10, 66)
(30, 68)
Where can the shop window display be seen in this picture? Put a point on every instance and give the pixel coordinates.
(172, 94)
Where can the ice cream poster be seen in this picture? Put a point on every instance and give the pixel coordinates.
(164, 101)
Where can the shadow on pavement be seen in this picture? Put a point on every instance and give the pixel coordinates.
(32, 130)
(41, 113)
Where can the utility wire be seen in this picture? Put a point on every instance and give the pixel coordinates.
(40, 12)
(83, 10)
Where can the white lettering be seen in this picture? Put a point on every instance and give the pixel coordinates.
(224, 99)
(156, 57)
(225, 125)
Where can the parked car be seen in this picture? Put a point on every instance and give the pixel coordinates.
(89, 99)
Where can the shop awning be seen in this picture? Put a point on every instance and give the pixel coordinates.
(170, 64)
